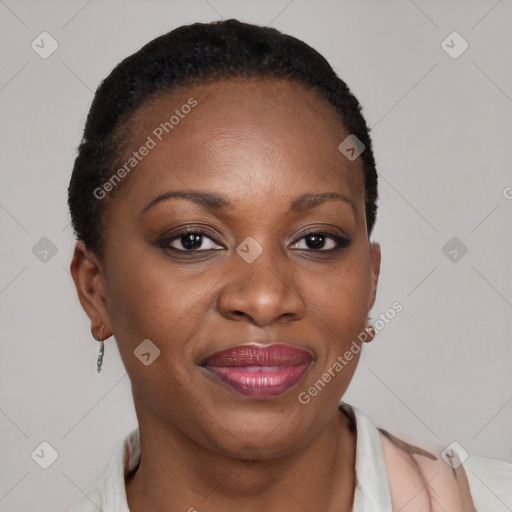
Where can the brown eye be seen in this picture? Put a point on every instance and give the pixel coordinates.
(190, 240)
(323, 241)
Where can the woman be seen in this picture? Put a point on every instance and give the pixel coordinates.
(223, 198)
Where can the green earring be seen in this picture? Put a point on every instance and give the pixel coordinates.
(100, 356)
(102, 346)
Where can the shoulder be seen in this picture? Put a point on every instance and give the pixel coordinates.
(110, 493)
(420, 480)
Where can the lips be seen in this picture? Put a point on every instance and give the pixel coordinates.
(259, 371)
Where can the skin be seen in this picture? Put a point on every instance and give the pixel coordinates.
(259, 144)
(421, 484)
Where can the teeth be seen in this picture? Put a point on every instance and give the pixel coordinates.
(264, 369)
(268, 369)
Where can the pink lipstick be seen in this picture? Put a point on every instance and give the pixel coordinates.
(259, 371)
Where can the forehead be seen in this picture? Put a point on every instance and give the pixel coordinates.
(272, 136)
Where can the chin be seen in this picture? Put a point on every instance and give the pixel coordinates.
(258, 431)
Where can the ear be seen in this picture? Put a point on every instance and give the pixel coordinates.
(89, 278)
(375, 257)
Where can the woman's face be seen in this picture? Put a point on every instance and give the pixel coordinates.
(254, 276)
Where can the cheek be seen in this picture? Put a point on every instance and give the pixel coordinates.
(342, 298)
(339, 309)
(147, 306)
(146, 302)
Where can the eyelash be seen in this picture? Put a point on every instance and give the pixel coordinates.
(341, 241)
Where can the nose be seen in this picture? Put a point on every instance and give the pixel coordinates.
(263, 292)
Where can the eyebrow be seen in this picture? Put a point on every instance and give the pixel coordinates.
(216, 202)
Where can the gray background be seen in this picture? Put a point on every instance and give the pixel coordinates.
(439, 372)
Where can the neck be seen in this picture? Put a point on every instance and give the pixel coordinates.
(175, 473)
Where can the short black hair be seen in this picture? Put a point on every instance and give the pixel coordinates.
(193, 55)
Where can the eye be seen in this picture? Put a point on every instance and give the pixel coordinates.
(323, 241)
(190, 240)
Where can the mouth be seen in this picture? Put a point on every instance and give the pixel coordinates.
(259, 371)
